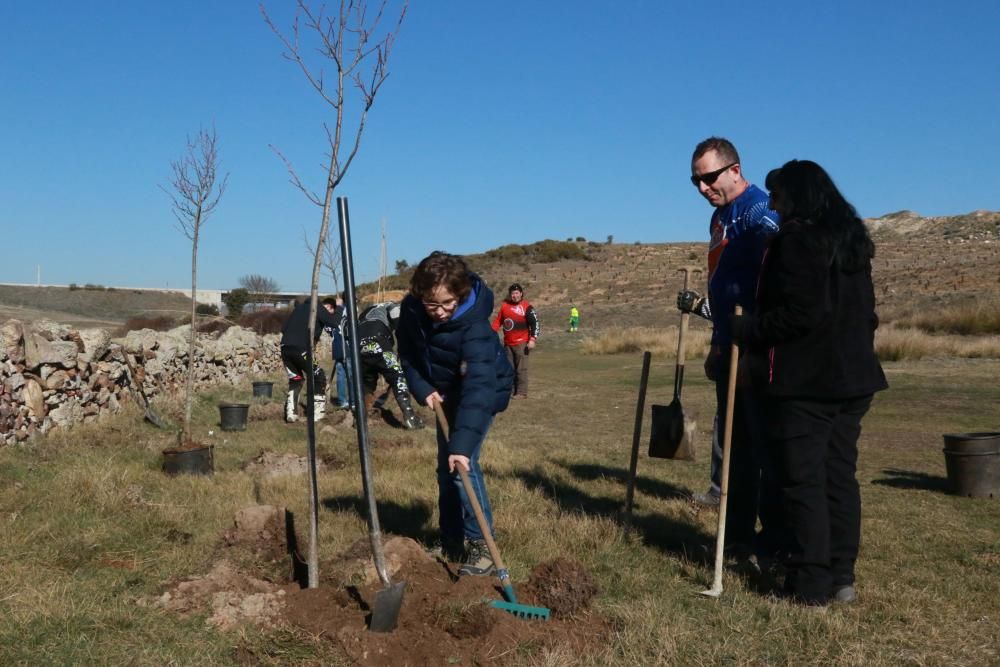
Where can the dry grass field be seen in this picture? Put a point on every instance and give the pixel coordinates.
(92, 530)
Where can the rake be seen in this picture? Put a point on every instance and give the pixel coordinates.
(510, 603)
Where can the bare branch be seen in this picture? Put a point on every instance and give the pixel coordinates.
(294, 177)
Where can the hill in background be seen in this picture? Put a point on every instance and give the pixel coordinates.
(88, 306)
(922, 265)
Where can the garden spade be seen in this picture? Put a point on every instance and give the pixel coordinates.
(671, 432)
(389, 600)
(727, 441)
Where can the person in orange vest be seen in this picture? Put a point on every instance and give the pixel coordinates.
(520, 331)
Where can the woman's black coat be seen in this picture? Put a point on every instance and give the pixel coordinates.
(812, 335)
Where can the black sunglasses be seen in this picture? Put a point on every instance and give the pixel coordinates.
(712, 176)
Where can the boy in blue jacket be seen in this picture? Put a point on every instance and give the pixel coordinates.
(452, 356)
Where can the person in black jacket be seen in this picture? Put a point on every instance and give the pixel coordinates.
(376, 340)
(811, 344)
(294, 348)
(451, 356)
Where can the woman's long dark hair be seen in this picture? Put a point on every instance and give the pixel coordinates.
(812, 197)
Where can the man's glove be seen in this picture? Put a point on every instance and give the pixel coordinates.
(690, 301)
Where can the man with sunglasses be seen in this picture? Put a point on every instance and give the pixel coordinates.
(740, 228)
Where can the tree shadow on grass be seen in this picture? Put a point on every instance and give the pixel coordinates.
(656, 530)
(909, 479)
(409, 520)
(645, 485)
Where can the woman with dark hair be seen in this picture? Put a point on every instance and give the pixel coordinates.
(810, 346)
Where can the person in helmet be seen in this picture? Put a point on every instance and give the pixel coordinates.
(376, 343)
(519, 321)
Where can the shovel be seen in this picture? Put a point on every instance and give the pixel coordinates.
(389, 600)
(510, 604)
(140, 396)
(727, 441)
(671, 433)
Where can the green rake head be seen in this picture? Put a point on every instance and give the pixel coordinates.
(522, 610)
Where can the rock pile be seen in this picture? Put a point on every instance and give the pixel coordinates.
(52, 375)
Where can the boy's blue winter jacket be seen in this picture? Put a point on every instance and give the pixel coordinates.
(462, 359)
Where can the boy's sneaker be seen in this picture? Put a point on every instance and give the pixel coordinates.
(707, 499)
(478, 561)
(450, 551)
(845, 594)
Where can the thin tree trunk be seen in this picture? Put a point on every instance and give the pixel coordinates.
(189, 385)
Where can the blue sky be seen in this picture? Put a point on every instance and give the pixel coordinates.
(501, 122)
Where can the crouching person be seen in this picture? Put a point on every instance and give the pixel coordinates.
(451, 356)
(294, 355)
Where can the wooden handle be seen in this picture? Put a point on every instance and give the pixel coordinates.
(727, 442)
(477, 509)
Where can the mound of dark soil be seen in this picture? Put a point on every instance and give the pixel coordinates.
(563, 585)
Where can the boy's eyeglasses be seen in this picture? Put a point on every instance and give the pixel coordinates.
(446, 306)
(712, 176)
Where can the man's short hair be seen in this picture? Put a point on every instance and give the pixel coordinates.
(330, 301)
(724, 147)
(441, 268)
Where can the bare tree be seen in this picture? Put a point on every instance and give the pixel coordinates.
(194, 190)
(402, 265)
(348, 50)
(258, 286)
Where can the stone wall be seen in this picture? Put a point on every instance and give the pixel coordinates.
(52, 375)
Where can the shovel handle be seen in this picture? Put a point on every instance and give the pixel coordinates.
(681, 334)
(477, 509)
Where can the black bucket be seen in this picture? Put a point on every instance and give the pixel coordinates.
(233, 416)
(198, 461)
(973, 464)
(262, 389)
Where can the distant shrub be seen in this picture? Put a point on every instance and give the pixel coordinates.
(235, 300)
(154, 322)
(507, 253)
(206, 309)
(266, 320)
(967, 319)
(660, 342)
(553, 251)
(214, 325)
(73, 287)
(693, 255)
(580, 239)
(92, 286)
(894, 343)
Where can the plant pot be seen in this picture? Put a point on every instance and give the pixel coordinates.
(973, 464)
(193, 461)
(262, 389)
(233, 416)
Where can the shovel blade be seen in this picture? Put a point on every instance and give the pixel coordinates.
(385, 611)
(671, 433)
